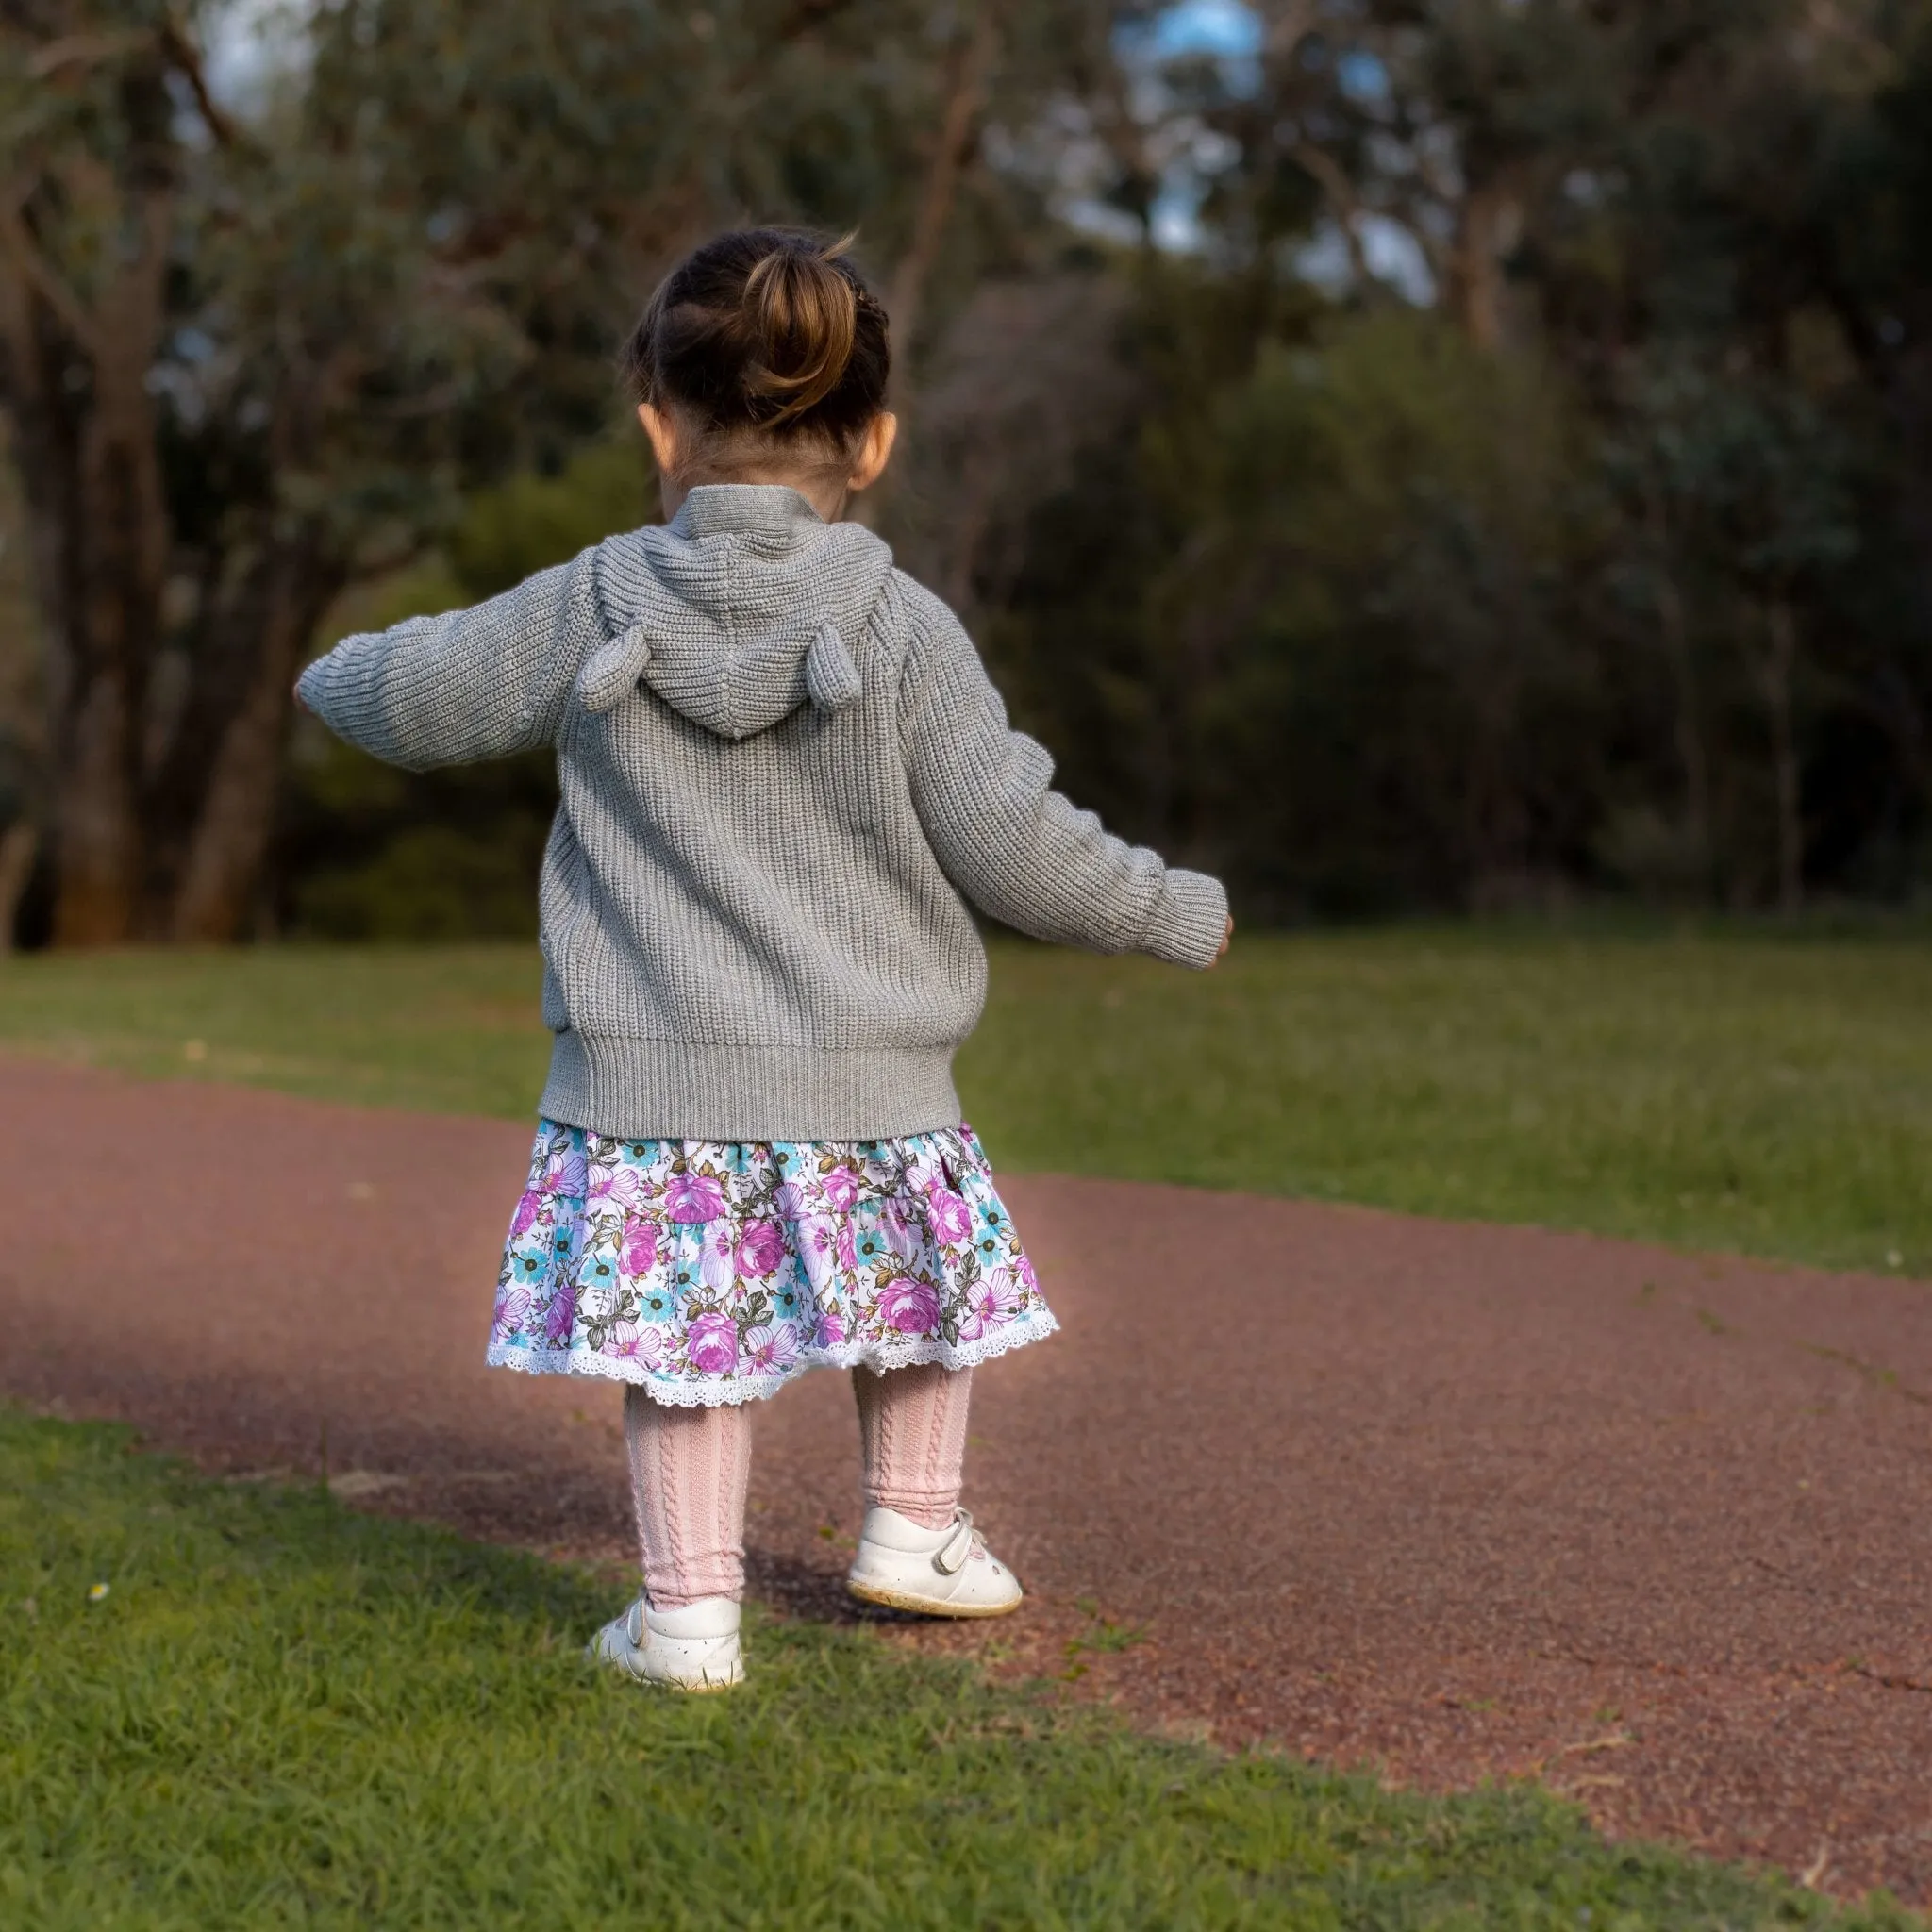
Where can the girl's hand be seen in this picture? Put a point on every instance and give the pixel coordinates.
(1225, 939)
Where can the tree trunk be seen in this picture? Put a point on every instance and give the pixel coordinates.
(1487, 224)
(92, 500)
(958, 134)
(1687, 729)
(19, 845)
(122, 538)
(97, 828)
(1776, 678)
(85, 430)
(229, 837)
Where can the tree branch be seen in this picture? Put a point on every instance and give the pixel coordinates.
(1290, 25)
(83, 50)
(18, 244)
(1332, 178)
(958, 132)
(89, 50)
(186, 59)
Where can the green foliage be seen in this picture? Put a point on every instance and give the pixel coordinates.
(1386, 544)
(432, 882)
(1606, 573)
(530, 522)
(368, 852)
(281, 1712)
(1316, 632)
(1738, 1092)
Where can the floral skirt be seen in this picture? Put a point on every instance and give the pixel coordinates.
(711, 1271)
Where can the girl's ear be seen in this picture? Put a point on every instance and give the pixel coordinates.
(666, 444)
(874, 450)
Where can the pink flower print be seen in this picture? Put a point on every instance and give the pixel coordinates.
(830, 1332)
(565, 1174)
(909, 1305)
(789, 1200)
(767, 1350)
(559, 1317)
(712, 1342)
(513, 1305)
(815, 1251)
(1029, 1280)
(848, 1257)
(760, 1249)
(951, 1220)
(640, 1247)
(627, 1342)
(615, 1187)
(842, 1189)
(898, 1231)
(718, 1261)
(528, 1207)
(693, 1197)
(992, 1300)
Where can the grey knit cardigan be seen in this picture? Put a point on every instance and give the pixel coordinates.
(785, 775)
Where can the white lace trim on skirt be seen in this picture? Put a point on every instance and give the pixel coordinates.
(690, 1391)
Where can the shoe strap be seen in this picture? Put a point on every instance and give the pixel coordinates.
(950, 1558)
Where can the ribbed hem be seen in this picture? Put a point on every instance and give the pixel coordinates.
(1189, 919)
(672, 1089)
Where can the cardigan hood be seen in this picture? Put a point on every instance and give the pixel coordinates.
(741, 609)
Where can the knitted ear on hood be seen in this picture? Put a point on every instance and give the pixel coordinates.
(831, 679)
(612, 672)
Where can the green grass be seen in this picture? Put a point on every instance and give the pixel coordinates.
(283, 1713)
(1761, 1094)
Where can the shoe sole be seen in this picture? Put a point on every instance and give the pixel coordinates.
(692, 1687)
(925, 1606)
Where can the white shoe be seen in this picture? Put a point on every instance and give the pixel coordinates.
(695, 1647)
(942, 1573)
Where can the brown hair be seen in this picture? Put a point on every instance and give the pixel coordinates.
(766, 331)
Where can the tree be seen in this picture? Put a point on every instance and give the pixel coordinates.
(1692, 244)
(254, 352)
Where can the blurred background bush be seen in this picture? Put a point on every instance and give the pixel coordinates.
(1406, 455)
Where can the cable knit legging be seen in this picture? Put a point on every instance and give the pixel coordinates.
(689, 1467)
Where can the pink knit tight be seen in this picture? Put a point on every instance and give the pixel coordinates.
(688, 1471)
(689, 1467)
(912, 1435)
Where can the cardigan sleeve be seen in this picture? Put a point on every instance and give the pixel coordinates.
(469, 685)
(1016, 848)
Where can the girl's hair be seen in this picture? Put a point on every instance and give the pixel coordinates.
(765, 330)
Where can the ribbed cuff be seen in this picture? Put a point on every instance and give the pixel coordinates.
(669, 1090)
(313, 685)
(1189, 919)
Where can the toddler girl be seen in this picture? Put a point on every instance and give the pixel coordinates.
(786, 779)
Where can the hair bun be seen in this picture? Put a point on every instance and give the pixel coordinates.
(801, 316)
